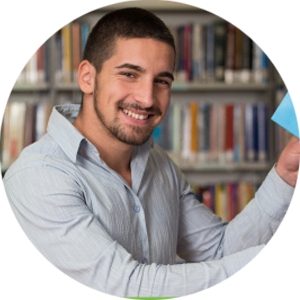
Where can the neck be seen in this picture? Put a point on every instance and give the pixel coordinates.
(113, 152)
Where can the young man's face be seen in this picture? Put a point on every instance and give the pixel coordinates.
(132, 91)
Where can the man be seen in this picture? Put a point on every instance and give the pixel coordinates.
(106, 205)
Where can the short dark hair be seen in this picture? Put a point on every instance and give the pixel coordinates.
(123, 23)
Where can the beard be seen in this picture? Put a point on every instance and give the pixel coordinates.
(131, 135)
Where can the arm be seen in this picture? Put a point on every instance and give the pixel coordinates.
(50, 206)
(203, 236)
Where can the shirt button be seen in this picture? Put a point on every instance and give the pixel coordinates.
(136, 208)
(144, 260)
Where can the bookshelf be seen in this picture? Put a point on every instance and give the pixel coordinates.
(58, 91)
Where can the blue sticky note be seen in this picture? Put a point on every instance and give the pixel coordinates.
(285, 116)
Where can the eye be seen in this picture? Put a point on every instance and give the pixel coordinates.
(162, 81)
(128, 74)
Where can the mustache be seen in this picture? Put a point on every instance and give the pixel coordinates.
(135, 106)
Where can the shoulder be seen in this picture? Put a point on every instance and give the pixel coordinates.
(44, 153)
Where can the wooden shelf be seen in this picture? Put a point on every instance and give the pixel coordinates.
(31, 87)
(215, 167)
(219, 86)
(195, 165)
(191, 87)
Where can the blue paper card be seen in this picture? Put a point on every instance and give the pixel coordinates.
(285, 116)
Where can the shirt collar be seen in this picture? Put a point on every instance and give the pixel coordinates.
(61, 129)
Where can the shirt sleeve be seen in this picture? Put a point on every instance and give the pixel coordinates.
(203, 236)
(50, 206)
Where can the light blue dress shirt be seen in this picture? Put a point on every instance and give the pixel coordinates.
(86, 220)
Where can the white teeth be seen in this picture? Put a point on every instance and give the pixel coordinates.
(136, 116)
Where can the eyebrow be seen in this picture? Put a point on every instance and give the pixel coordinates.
(141, 70)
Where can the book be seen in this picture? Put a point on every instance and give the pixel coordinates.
(201, 133)
(188, 31)
(230, 54)
(76, 49)
(213, 134)
(236, 133)
(229, 119)
(219, 50)
(194, 129)
(262, 139)
(246, 60)
(180, 72)
(197, 52)
(40, 41)
(226, 199)
(13, 132)
(186, 132)
(85, 30)
(210, 52)
(255, 131)
(249, 133)
(176, 128)
(221, 133)
(166, 130)
(30, 119)
(259, 54)
(238, 54)
(66, 33)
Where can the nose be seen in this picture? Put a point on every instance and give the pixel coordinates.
(145, 95)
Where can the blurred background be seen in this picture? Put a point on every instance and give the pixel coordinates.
(218, 127)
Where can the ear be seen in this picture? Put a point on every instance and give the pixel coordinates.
(86, 77)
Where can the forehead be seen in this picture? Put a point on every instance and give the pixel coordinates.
(144, 52)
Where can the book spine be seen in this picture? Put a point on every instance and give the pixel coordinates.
(186, 132)
(85, 29)
(236, 133)
(230, 54)
(210, 50)
(40, 40)
(188, 52)
(194, 129)
(76, 49)
(167, 130)
(262, 112)
(176, 125)
(219, 51)
(196, 53)
(258, 42)
(204, 53)
(238, 54)
(181, 77)
(67, 53)
(219, 200)
(201, 133)
(221, 133)
(213, 134)
(255, 131)
(250, 154)
(229, 133)
(245, 76)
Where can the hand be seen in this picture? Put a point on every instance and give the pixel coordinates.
(288, 163)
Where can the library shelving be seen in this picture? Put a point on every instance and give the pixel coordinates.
(60, 87)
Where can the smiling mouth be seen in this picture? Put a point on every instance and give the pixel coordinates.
(135, 115)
